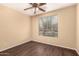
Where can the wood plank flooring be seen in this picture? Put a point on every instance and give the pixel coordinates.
(38, 49)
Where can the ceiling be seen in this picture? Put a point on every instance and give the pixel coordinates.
(48, 7)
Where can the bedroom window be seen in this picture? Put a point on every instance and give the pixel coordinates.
(48, 26)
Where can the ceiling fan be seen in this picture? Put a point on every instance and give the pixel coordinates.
(35, 6)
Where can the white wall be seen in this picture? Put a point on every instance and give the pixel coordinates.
(66, 27)
(15, 28)
(77, 42)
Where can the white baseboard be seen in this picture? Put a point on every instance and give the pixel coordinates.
(55, 45)
(14, 45)
(77, 51)
(40, 42)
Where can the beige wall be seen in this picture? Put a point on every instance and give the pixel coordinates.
(66, 27)
(77, 28)
(15, 28)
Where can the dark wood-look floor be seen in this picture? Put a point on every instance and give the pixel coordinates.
(38, 49)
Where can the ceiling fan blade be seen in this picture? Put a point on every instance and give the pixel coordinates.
(31, 3)
(35, 11)
(28, 8)
(40, 4)
(41, 9)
